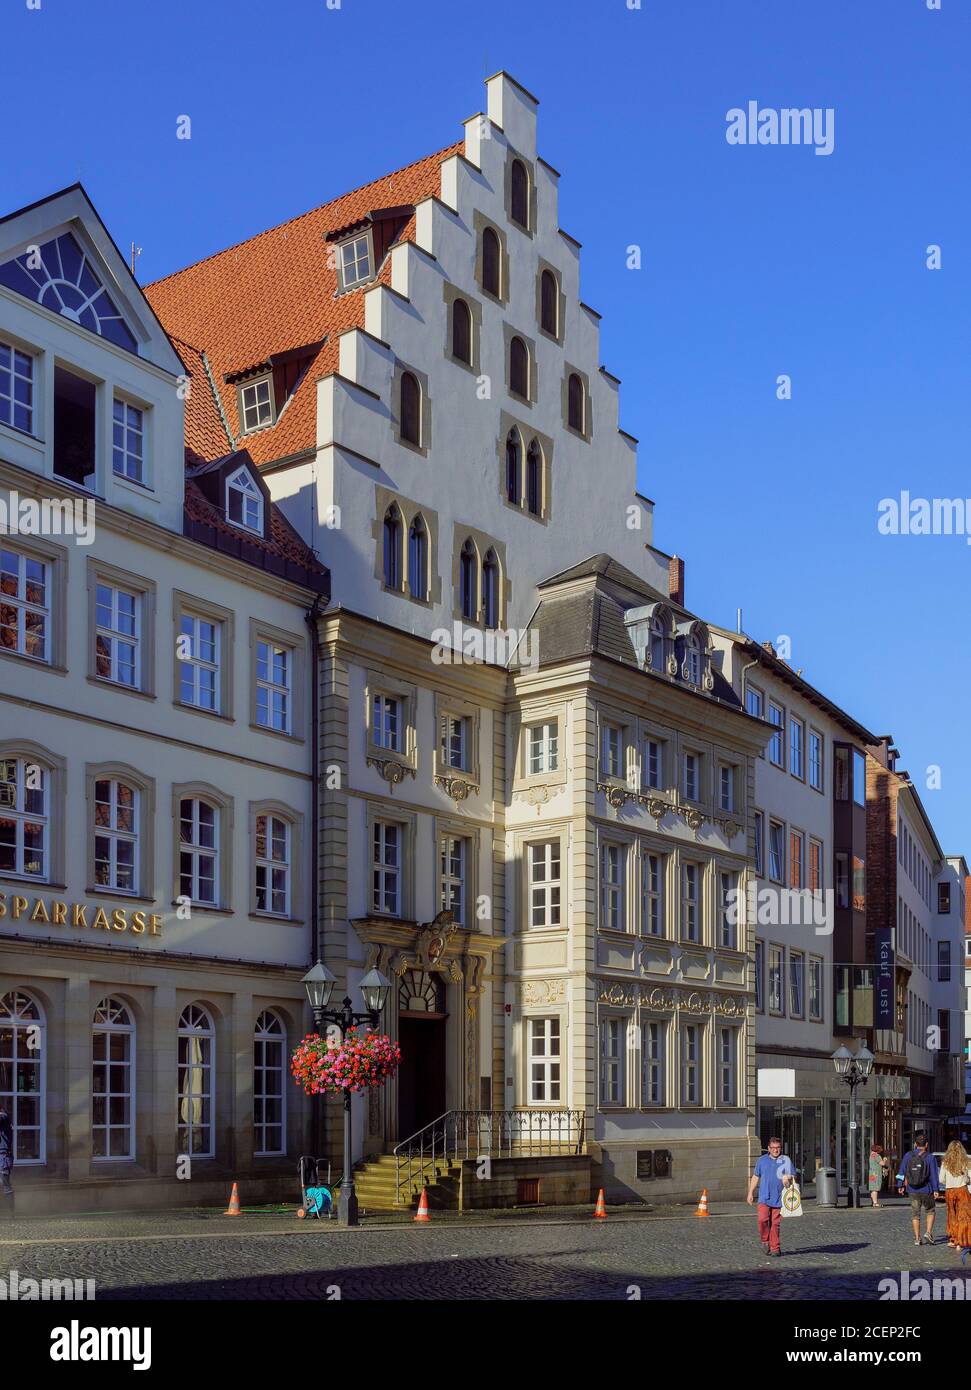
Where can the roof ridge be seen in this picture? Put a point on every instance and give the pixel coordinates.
(267, 231)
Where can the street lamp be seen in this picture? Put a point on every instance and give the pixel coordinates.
(853, 1072)
(319, 984)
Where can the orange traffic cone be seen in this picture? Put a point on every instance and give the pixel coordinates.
(703, 1203)
(422, 1213)
(600, 1210)
(233, 1208)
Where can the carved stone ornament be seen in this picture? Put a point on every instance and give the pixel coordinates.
(693, 819)
(672, 665)
(709, 680)
(390, 769)
(730, 828)
(535, 796)
(616, 795)
(657, 808)
(667, 998)
(544, 992)
(456, 787)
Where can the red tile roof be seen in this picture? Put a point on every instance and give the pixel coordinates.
(269, 295)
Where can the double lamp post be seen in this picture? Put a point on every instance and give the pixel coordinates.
(853, 1071)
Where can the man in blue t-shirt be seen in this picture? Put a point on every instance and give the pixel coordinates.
(773, 1172)
(919, 1173)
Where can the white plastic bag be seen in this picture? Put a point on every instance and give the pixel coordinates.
(791, 1201)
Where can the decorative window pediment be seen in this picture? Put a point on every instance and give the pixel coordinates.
(60, 276)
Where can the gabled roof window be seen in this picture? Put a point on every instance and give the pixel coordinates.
(256, 404)
(355, 261)
(59, 276)
(244, 501)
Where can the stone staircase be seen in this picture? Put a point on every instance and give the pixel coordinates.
(375, 1178)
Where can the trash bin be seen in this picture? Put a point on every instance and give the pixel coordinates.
(826, 1187)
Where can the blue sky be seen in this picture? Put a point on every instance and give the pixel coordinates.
(756, 261)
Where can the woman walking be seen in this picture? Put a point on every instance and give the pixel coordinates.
(875, 1170)
(955, 1179)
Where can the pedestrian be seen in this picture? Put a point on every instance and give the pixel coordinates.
(874, 1177)
(6, 1160)
(773, 1172)
(955, 1179)
(918, 1175)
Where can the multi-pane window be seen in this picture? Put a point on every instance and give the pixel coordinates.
(690, 902)
(797, 742)
(754, 703)
(815, 866)
(652, 869)
(112, 1082)
(797, 859)
(544, 883)
(196, 1040)
(469, 581)
(943, 897)
(269, 1095)
(759, 976)
(777, 851)
(24, 818)
(198, 850)
(693, 660)
(490, 589)
(22, 1054)
(386, 722)
(355, 261)
(454, 854)
(386, 868)
(274, 678)
(128, 441)
(759, 843)
(542, 744)
(729, 909)
(726, 787)
(815, 760)
(418, 559)
(728, 1066)
(199, 655)
(654, 764)
(273, 865)
(815, 988)
(775, 979)
(797, 967)
(117, 635)
(691, 1064)
(391, 532)
(944, 962)
(16, 388)
(612, 753)
(244, 501)
(544, 1061)
(692, 776)
(778, 718)
(859, 779)
(25, 604)
(115, 835)
(612, 1034)
(454, 741)
(654, 1062)
(612, 864)
(257, 405)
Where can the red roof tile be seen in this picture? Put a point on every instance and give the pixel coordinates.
(269, 295)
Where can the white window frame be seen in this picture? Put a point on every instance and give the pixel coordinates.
(654, 764)
(778, 738)
(273, 688)
(776, 1001)
(814, 989)
(454, 743)
(129, 453)
(107, 1027)
(613, 1059)
(196, 851)
(194, 664)
(264, 1038)
(268, 866)
(386, 872)
(354, 261)
(115, 835)
(817, 776)
(17, 599)
(797, 984)
(692, 783)
(387, 713)
(242, 484)
(779, 877)
(653, 875)
(726, 787)
(255, 400)
(544, 888)
(613, 865)
(9, 376)
(21, 817)
(691, 900)
(654, 1060)
(728, 932)
(612, 750)
(797, 747)
(454, 852)
(542, 748)
(115, 637)
(727, 1042)
(22, 1016)
(198, 1074)
(544, 1079)
(692, 1065)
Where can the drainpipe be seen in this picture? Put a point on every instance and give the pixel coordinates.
(311, 616)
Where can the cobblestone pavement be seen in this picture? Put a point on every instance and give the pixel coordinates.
(826, 1254)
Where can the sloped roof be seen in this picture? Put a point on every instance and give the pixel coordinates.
(270, 295)
(606, 567)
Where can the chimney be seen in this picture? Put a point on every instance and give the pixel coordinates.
(676, 579)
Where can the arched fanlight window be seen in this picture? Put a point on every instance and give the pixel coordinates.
(392, 547)
(269, 1094)
(548, 302)
(410, 408)
(468, 581)
(519, 368)
(491, 262)
(490, 589)
(112, 1082)
(418, 558)
(196, 1074)
(461, 331)
(63, 278)
(519, 193)
(534, 485)
(513, 467)
(575, 403)
(22, 1075)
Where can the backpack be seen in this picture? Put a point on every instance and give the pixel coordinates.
(918, 1170)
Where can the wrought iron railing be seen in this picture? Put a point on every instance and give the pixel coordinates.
(462, 1134)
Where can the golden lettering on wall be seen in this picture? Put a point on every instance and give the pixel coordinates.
(56, 913)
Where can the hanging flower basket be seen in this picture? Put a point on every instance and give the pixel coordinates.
(356, 1064)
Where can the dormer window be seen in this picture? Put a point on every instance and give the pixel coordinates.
(244, 501)
(256, 404)
(693, 660)
(355, 261)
